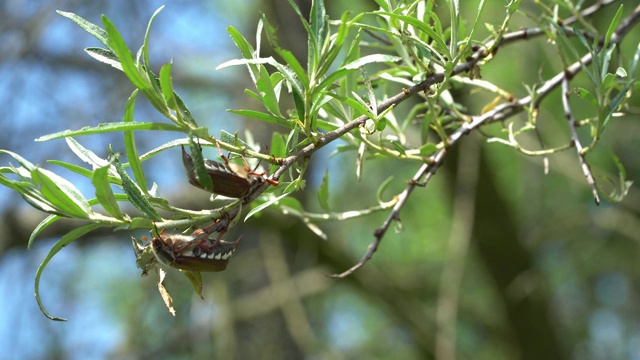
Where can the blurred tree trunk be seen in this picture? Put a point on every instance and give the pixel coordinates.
(510, 265)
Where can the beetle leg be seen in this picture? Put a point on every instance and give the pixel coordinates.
(254, 173)
(222, 232)
(270, 181)
(217, 240)
(202, 242)
(225, 158)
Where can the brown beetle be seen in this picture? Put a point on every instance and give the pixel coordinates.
(229, 179)
(195, 252)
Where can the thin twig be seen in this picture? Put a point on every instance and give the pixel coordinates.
(427, 170)
(575, 139)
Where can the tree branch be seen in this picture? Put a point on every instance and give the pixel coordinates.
(500, 112)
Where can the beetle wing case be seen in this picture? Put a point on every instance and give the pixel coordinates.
(191, 256)
(226, 181)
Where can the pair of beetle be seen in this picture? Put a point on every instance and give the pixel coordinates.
(197, 252)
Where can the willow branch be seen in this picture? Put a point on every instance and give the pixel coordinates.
(500, 112)
(575, 139)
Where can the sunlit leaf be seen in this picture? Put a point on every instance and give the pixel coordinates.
(61, 193)
(111, 127)
(323, 192)
(64, 241)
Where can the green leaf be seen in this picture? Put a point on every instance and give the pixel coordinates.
(166, 85)
(134, 194)
(292, 79)
(38, 202)
(85, 154)
(290, 76)
(22, 161)
(612, 27)
(256, 61)
(82, 171)
(278, 145)
(91, 28)
(586, 95)
(291, 60)
(28, 190)
(245, 47)
(264, 117)
(64, 241)
(268, 95)
(593, 75)
(292, 203)
(317, 20)
(329, 81)
(625, 183)
(185, 112)
(323, 192)
(104, 192)
(356, 103)
(382, 188)
(145, 45)
(119, 47)
(61, 193)
(634, 62)
(111, 127)
(286, 55)
(333, 46)
(369, 59)
(454, 15)
(609, 81)
(105, 56)
(428, 149)
(233, 139)
(312, 44)
(479, 12)
(41, 226)
(130, 144)
(198, 163)
(373, 104)
(140, 223)
(425, 28)
(618, 190)
(399, 148)
(615, 103)
(195, 277)
(384, 4)
(265, 205)
(130, 68)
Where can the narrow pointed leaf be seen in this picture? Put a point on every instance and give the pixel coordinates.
(111, 127)
(61, 193)
(135, 195)
(41, 226)
(104, 192)
(64, 241)
(91, 28)
(323, 193)
(130, 143)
